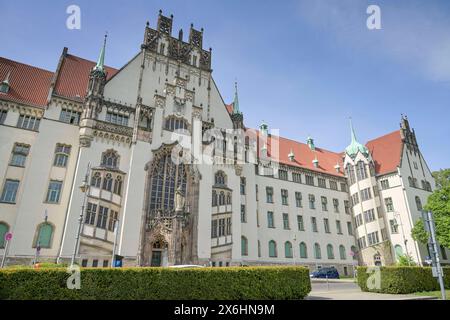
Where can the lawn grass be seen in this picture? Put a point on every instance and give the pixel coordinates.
(434, 294)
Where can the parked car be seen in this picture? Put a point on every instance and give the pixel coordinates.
(325, 273)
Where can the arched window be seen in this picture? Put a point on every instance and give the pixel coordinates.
(214, 198)
(222, 198)
(110, 159)
(354, 252)
(288, 249)
(330, 251)
(173, 124)
(317, 253)
(228, 198)
(4, 228)
(419, 204)
(244, 246)
(118, 185)
(342, 253)
(44, 235)
(166, 178)
(107, 182)
(96, 180)
(411, 181)
(272, 249)
(220, 178)
(303, 250)
(398, 251)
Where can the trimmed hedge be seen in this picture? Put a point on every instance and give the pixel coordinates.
(235, 283)
(403, 280)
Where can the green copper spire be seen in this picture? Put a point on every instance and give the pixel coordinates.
(236, 100)
(100, 66)
(355, 147)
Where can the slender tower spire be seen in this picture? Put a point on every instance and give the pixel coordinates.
(100, 66)
(355, 146)
(236, 100)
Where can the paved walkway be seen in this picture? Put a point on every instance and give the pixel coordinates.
(347, 289)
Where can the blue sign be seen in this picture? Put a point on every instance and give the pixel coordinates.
(118, 263)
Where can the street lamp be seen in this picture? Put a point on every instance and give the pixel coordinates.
(84, 188)
(405, 241)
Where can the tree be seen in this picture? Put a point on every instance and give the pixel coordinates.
(406, 260)
(438, 203)
(442, 178)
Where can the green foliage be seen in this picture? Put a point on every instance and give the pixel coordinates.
(442, 178)
(403, 280)
(237, 283)
(406, 260)
(419, 233)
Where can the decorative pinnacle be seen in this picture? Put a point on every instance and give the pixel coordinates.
(100, 66)
(236, 100)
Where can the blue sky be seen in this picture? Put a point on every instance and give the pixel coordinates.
(303, 66)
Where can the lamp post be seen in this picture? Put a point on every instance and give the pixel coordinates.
(84, 188)
(405, 241)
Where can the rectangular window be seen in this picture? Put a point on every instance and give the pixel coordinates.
(362, 243)
(336, 205)
(322, 182)
(228, 228)
(221, 227)
(285, 221)
(296, 177)
(355, 199)
(394, 226)
(284, 197)
(94, 263)
(214, 229)
(366, 194)
(269, 194)
(298, 199)
(338, 227)
(333, 185)
(312, 201)
(344, 187)
(3, 114)
(309, 180)
(10, 191)
(389, 204)
(102, 217)
(300, 224)
(243, 186)
(282, 174)
(19, 155)
(358, 220)
(361, 171)
(84, 263)
(326, 225)
(113, 219)
(314, 224)
(373, 238)
(62, 153)
(243, 214)
(91, 212)
(119, 119)
(270, 221)
(347, 207)
(105, 263)
(385, 184)
(324, 202)
(369, 216)
(28, 123)
(70, 116)
(54, 191)
(349, 228)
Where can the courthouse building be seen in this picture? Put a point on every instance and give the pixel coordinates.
(110, 147)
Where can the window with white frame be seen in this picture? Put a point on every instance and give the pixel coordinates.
(115, 118)
(62, 153)
(70, 116)
(9, 192)
(19, 155)
(28, 122)
(54, 191)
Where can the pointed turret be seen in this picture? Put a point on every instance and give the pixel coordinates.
(237, 116)
(100, 66)
(355, 147)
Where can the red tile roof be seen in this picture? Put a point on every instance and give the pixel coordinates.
(229, 108)
(303, 155)
(28, 84)
(386, 152)
(73, 77)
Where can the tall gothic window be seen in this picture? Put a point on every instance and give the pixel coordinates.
(166, 178)
(110, 159)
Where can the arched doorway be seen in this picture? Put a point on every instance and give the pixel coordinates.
(159, 253)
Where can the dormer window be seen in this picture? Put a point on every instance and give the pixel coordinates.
(4, 87)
